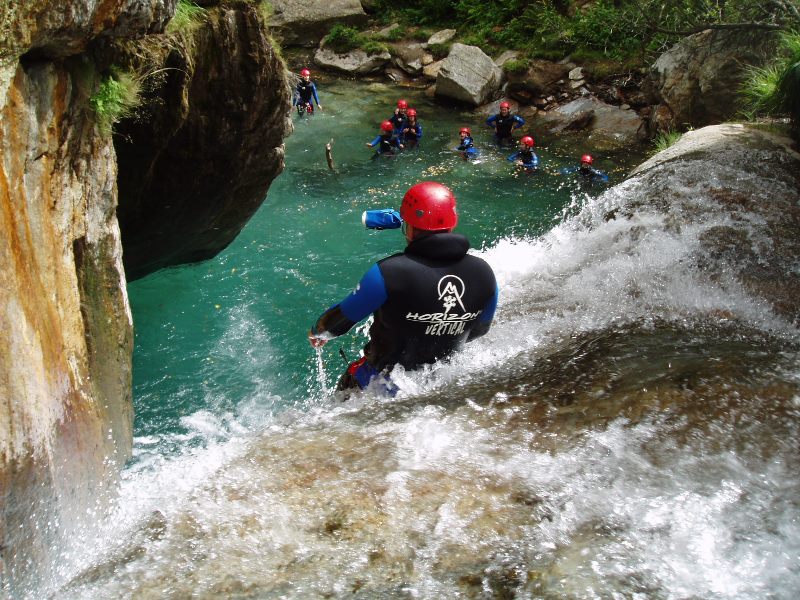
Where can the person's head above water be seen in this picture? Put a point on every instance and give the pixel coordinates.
(464, 132)
(411, 114)
(505, 107)
(305, 74)
(428, 207)
(526, 142)
(387, 126)
(586, 160)
(402, 105)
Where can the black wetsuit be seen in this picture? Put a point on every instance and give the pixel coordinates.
(427, 301)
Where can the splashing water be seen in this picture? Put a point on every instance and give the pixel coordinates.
(627, 429)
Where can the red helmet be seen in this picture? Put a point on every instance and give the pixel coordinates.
(429, 206)
(465, 130)
(528, 141)
(411, 112)
(402, 104)
(505, 104)
(587, 158)
(387, 126)
(305, 73)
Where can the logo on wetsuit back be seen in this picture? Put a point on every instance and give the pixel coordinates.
(451, 291)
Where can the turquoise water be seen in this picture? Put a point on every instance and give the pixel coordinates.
(214, 335)
(625, 430)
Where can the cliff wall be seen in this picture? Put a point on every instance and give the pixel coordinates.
(65, 323)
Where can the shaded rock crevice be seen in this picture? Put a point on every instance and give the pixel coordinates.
(197, 161)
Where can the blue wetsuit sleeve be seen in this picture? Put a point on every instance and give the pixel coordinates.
(376, 141)
(535, 161)
(518, 121)
(602, 176)
(490, 121)
(369, 296)
(419, 131)
(486, 317)
(513, 157)
(314, 93)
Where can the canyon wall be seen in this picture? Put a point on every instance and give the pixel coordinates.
(66, 331)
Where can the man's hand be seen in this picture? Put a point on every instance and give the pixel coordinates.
(316, 342)
(319, 106)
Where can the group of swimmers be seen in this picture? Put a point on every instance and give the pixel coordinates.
(402, 130)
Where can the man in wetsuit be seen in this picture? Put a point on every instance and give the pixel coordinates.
(412, 130)
(467, 146)
(525, 157)
(304, 92)
(504, 123)
(427, 301)
(589, 175)
(386, 141)
(400, 117)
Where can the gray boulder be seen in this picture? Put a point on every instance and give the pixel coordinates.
(699, 78)
(442, 37)
(543, 78)
(306, 23)
(355, 62)
(410, 57)
(618, 126)
(468, 75)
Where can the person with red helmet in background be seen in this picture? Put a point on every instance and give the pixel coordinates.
(588, 173)
(386, 141)
(525, 157)
(304, 93)
(412, 130)
(427, 301)
(467, 146)
(400, 117)
(503, 123)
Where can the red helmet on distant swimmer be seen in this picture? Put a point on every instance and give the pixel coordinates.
(429, 206)
(587, 158)
(305, 73)
(505, 104)
(465, 130)
(528, 141)
(387, 126)
(402, 104)
(411, 112)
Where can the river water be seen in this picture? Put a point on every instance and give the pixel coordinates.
(627, 429)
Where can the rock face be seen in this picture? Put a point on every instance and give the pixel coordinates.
(758, 244)
(700, 77)
(355, 62)
(65, 323)
(306, 23)
(196, 169)
(617, 124)
(468, 75)
(540, 80)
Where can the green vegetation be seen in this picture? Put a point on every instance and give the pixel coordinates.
(665, 139)
(516, 66)
(188, 16)
(344, 39)
(116, 98)
(627, 32)
(439, 50)
(775, 89)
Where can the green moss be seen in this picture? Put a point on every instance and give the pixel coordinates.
(516, 66)
(188, 16)
(116, 98)
(342, 38)
(665, 139)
